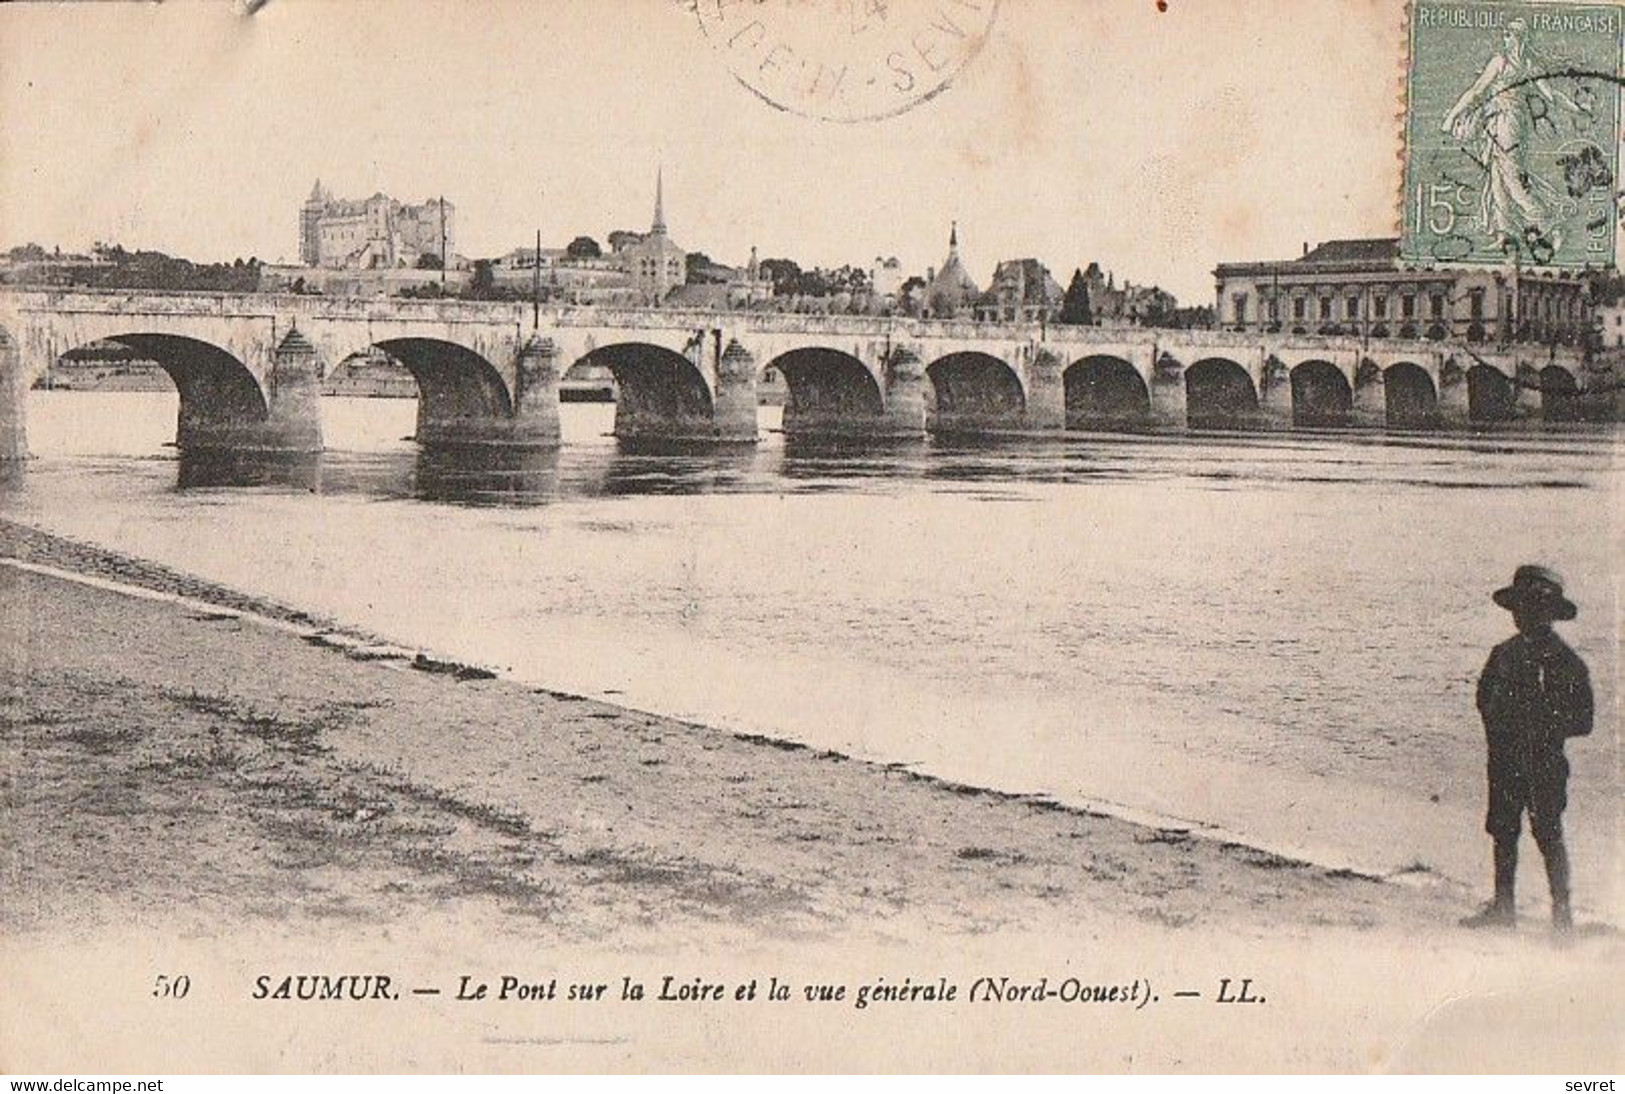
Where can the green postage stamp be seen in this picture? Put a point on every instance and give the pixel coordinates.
(1512, 134)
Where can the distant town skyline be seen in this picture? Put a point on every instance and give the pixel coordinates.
(557, 119)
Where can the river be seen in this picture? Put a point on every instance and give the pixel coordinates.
(1277, 635)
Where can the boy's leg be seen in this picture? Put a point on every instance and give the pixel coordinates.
(1546, 824)
(1502, 910)
(1557, 876)
(1506, 873)
(1504, 822)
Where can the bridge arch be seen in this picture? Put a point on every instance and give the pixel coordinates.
(586, 375)
(1559, 395)
(220, 397)
(1219, 394)
(1103, 391)
(829, 391)
(1409, 395)
(454, 382)
(659, 393)
(1321, 395)
(974, 391)
(1490, 395)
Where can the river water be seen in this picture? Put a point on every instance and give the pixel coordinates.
(1277, 635)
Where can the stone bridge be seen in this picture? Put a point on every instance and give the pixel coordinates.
(248, 369)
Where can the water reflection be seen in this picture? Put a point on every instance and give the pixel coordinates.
(369, 459)
(852, 458)
(486, 476)
(987, 459)
(642, 467)
(300, 471)
(478, 476)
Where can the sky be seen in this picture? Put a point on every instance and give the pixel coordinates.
(1156, 143)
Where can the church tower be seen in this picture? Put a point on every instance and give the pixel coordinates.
(657, 265)
(952, 291)
(659, 226)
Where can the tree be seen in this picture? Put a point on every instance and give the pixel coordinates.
(703, 271)
(784, 273)
(1075, 309)
(849, 278)
(814, 282)
(484, 279)
(584, 247)
(910, 295)
(428, 261)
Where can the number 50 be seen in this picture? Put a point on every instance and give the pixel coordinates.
(166, 988)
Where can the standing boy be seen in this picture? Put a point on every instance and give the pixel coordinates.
(1534, 695)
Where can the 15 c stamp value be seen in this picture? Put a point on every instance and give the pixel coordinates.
(1512, 134)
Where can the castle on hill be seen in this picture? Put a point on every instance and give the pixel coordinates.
(376, 233)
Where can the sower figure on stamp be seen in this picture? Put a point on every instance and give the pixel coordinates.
(1496, 120)
(1534, 694)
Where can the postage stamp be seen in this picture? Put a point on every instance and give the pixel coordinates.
(1512, 134)
(845, 60)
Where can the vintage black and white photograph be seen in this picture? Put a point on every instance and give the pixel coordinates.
(811, 536)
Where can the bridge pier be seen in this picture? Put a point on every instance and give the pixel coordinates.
(536, 395)
(208, 421)
(733, 406)
(1527, 396)
(1046, 392)
(1455, 404)
(1370, 397)
(13, 404)
(904, 413)
(1275, 396)
(1169, 404)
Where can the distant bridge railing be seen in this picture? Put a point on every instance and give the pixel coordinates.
(909, 328)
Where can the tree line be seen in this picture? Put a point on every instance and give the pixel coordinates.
(110, 266)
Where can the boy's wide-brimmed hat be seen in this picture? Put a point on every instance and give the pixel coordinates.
(1538, 589)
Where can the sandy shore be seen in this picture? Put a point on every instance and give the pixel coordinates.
(176, 770)
(252, 760)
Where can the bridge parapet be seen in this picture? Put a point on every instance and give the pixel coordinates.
(895, 328)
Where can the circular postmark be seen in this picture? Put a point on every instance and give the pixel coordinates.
(845, 60)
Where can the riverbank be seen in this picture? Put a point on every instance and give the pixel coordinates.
(340, 779)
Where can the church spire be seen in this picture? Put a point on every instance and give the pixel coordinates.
(659, 226)
(953, 238)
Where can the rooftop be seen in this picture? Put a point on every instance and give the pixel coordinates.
(1029, 277)
(1348, 255)
(1354, 250)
